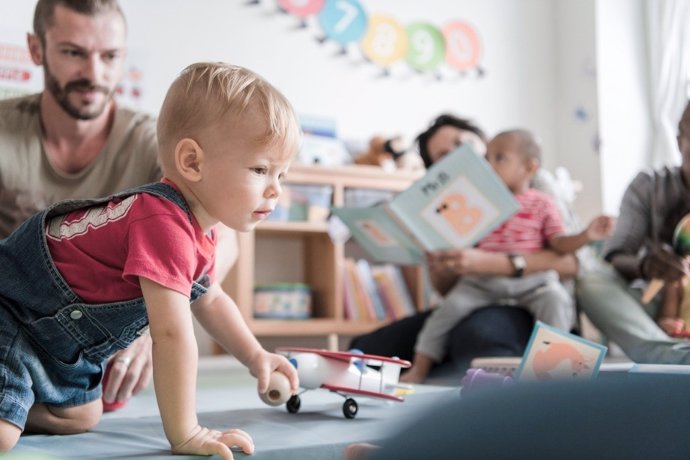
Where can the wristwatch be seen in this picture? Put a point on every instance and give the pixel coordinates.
(519, 263)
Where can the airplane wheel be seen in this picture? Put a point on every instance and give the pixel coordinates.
(293, 404)
(350, 408)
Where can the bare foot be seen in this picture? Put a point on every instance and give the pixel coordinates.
(671, 326)
(359, 451)
(412, 377)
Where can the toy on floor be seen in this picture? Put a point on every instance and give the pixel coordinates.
(479, 378)
(390, 154)
(278, 390)
(346, 374)
(115, 405)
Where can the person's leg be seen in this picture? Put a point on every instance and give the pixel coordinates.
(395, 339)
(467, 295)
(616, 311)
(550, 303)
(63, 420)
(490, 331)
(9, 435)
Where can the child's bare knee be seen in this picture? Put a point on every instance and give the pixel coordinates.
(9, 435)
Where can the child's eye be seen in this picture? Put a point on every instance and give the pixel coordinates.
(260, 170)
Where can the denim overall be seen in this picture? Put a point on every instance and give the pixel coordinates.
(53, 346)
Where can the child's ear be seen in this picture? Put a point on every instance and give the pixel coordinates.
(532, 165)
(189, 158)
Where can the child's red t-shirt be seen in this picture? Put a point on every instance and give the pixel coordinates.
(102, 251)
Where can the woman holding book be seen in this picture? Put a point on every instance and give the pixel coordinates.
(490, 331)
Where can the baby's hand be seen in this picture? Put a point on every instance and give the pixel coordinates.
(265, 363)
(600, 228)
(204, 441)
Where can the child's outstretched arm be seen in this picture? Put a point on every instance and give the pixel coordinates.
(599, 228)
(221, 318)
(175, 359)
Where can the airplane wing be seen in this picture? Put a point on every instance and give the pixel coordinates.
(355, 391)
(346, 356)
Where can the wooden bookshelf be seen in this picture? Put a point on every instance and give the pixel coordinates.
(303, 251)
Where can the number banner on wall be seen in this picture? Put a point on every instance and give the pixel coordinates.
(383, 41)
(18, 74)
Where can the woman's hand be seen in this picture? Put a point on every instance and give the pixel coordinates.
(469, 261)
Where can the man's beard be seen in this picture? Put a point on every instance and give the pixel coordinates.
(61, 95)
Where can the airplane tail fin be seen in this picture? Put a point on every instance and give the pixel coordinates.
(390, 373)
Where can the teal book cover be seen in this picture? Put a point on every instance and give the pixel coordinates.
(455, 204)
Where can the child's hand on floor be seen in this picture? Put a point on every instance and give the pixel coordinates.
(204, 441)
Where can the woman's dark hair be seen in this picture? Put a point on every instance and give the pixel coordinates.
(441, 121)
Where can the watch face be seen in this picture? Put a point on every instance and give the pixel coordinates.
(519, 262)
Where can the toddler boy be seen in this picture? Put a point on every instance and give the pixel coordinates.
(83, 279)
(516, 157)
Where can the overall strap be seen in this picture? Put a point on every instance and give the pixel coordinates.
(160, 189)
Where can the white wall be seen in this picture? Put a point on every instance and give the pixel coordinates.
(623, 98)
(572, 71)
(518, 49)
(576, 104)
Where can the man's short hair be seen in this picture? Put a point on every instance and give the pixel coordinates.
(44, 14)
(205, 92)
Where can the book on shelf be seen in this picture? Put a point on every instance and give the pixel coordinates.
(393, 291)
(456, 203)
(375, 292)
(371, 289)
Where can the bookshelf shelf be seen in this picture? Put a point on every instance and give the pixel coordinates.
(302, 252)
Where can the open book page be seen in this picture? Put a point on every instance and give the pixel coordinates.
(456, 203)
(380, 235)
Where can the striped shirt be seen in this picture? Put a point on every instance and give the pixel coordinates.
(528, 230)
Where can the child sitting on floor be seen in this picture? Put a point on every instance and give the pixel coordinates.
(515, 156)
(83, 279)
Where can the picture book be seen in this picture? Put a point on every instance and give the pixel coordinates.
(553, 354)
(456, 203)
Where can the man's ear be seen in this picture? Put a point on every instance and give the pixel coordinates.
(35, 48)
(189, 158)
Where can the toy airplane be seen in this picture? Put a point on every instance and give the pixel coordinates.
(346, 374)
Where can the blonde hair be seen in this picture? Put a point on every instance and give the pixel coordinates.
(205, 92)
